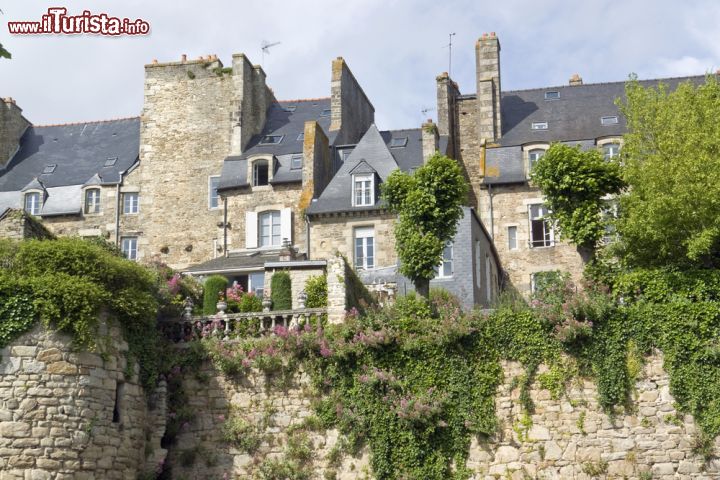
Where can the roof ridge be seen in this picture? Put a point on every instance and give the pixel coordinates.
(685, 77)
(87, 122)
(303, 100)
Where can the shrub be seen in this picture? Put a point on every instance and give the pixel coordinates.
(316, 290)
(215, 285)
(281, 291)
(241, 434)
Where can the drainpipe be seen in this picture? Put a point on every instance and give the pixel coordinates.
(225, 225)
(492, 219)
(117, 210)
(307, 235)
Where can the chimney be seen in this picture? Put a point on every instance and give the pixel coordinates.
(575, 80)
(12, 127)
(351, 112)
(447, 93)
(487, 56)
(430, 139)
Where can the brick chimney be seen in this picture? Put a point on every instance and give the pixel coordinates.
(575, 80)
(12, 127)
(487, 55)
(351, 112)
(430, 139)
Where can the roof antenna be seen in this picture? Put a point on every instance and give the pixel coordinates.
(425, 111)
(449, 45)
(265, 47)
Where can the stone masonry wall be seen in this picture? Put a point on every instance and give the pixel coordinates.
(12, 126)
(18, 225)
(567, 439)
(72, 415)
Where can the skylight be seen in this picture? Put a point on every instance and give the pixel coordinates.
(552, 95)
(296, 162)
(397, 142)
(289, 108)
(539, 126)
(271, 139)
(610, 120)
(325, 112)
(301, 137)
(49, 168)
(110, 162)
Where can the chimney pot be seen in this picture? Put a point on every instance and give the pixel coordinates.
(155, 61)
(183, 58)
(492, 34)
(484, 35)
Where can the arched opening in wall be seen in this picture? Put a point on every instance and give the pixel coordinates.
(118, 408)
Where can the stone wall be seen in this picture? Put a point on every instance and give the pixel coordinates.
(18, 225)
(73, 415)
(351, 112)
(568, 438)
(12, 127)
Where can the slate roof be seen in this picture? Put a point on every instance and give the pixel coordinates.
(289, 124)
(236, 262)
(79, 153)
(573, 118)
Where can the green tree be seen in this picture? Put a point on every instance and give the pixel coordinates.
(429, 205)
(4, 53)
(671, 213)
(574, 183)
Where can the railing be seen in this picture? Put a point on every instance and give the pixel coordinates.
(236, 325)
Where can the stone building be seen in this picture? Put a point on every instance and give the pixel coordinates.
(497, 135)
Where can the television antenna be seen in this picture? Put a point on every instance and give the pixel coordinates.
(449, 45)
(265, 47)
(425, 111)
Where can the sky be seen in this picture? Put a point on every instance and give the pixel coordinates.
(395, 48)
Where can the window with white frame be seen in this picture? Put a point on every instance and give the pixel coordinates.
(92, 200)
(363, 190)
(256, 283)
(512, 237)
(269, 229)
(33, 203)
(533, 156)
(131, 203)
(213, 197)
(365, 247)
(611, 150)
(261, 173)
(128, 246)
(541, 228)
(445, 269)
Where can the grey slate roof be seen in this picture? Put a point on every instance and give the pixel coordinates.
(371, 150)
(235, 262)
(574, 118)
(279, 122)
(79, 152)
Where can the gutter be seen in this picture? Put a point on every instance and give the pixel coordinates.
(307, 235)
(225, 239)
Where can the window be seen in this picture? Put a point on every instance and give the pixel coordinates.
(488, 276)
(33, 203)
(363, 190)
(445, 269)
(131, 203)
(398, 142)
(296, 162)
(110, 161)
(289, 108)
(552, 95)
(269, 231)
(256, 283)
(539, 126)
(213, 197)
(300, 137)
(271, 139)
(365, 248)
(611, 150)
(261, 170)
(49, 169)
(541, 230)
(478, 265)
(325, 112)
(611, 120)
(534, 155)
(512, 238)
(128, 247)
(344, 153)
(92, 200)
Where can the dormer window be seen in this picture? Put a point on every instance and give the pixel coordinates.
(92, 200)
(261, 173)
(398, 142)
(271, 139)
(611, 120)
(539, 126)
(534, 155)
(33, 203)
(611, 150)
(552, 95)
(49, 169)
(296, 162)
(363, 190)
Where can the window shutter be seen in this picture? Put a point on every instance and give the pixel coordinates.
(251, 233)
(286, 225)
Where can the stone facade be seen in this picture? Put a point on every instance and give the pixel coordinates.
(351, 111)
(18, 225)
(12, 127)
(74, 415)
(569, 438)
